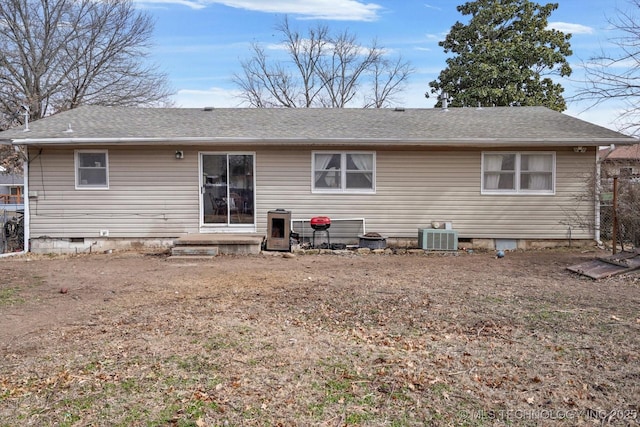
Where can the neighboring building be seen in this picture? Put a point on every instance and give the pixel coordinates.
(623, 161)
(105, 176)
(11, 208)
(11, 192)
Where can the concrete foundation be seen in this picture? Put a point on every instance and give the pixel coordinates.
(84, 246)
(490, 244)
(227, 244)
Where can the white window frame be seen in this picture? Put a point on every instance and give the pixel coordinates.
(343, 174)
(79, 185)
(518, 173)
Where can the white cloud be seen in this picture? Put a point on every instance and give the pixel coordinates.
(362, 49)
(605, 116)
(608, 64)
(567, 27)
(193, 4)
(429, 6)
(340, 10)
(213, 97)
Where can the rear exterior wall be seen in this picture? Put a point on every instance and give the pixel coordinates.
(152, 195)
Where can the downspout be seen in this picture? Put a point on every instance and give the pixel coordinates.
(596, 185)
(27, 205)
(25, 195)
(596, 189)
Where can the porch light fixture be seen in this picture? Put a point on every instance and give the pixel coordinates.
(179, 154)
(580, 149)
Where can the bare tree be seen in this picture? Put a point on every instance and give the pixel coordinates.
(614, 75)
(58, 54)
(388, 81)
(323, 71)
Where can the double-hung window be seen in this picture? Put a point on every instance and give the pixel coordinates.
(343, 172)
(92, 169)
(518, 173)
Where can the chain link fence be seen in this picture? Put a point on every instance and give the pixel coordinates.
(3, 238)
(627, 212)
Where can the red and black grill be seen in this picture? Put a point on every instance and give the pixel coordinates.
(321, 223)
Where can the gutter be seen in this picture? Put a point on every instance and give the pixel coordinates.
(373, 141)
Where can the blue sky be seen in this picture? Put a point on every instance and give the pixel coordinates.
(200, 43)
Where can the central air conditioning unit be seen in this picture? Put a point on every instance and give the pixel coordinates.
(431, 239)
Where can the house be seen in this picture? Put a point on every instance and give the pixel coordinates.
(11, 193)
(11, 208)
(102, 177)
(623, 161)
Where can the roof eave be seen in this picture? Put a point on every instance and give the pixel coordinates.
(441, 142)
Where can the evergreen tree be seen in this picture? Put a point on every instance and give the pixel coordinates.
(504, 56)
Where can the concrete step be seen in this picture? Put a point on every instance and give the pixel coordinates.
(186, 259)
(212, 244)
(211, 239)
(195, 251)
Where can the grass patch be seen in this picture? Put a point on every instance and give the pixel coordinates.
(10, 297)
(327, 340)
(548, 315)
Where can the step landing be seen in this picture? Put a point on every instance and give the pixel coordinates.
(211, 245)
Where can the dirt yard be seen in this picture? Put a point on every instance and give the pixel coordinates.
(128, 339)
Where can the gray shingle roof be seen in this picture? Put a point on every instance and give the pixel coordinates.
(457, 126)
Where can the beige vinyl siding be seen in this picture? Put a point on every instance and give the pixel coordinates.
(151, 194)
(414, 188)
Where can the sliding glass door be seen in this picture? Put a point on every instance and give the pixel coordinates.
(227, 189)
